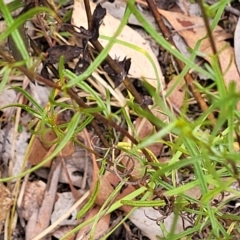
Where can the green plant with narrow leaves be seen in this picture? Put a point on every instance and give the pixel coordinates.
(208, 151)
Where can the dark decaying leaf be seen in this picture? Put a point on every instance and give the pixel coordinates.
(125, 65)
(98, 15)
(147, 100)
(69, 53)
(165, 4)
(45, 73)
(81, 66)
(84, 60)
(93, 32)
(87, 34)
(83, 34)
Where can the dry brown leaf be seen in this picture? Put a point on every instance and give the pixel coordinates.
(40, 219)
(5, 203)
(196, 32)
(106, 189)
(102, 225)
(192, 29)
(31, 205)
(40, 149)
(37, 153)
(62, 231)
(32, 198)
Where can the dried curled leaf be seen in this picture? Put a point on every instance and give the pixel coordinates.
(93, 32)
(125, 65)
(69, 53)
(98, 15)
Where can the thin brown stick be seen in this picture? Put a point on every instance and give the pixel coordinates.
(209, 32)
(89, 13)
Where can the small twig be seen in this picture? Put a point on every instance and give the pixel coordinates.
(89, 13)
(88, 143)
(233, 10)
(64, 216)
(100, 134)
(49, 40)
(209, 32)
(74, 191)
(45, 211)
(48, 5)
(30, 74)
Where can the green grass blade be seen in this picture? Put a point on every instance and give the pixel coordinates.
(26, 108)
(5, 77)
(30, 98)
